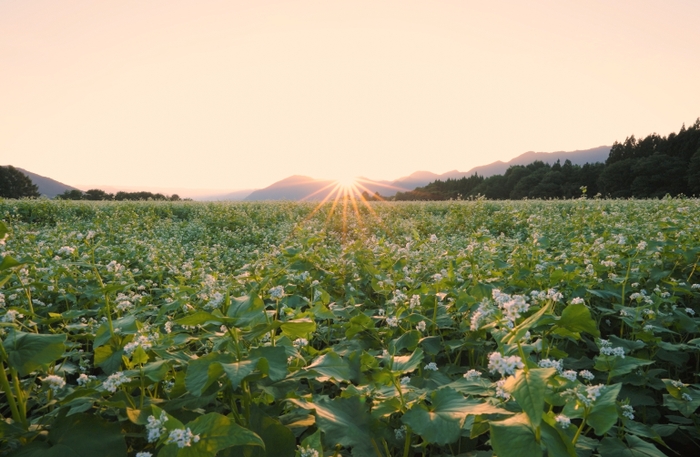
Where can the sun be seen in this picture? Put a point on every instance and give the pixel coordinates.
(346, 182)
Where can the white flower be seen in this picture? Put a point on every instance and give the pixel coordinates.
(642, 245)
(392, 322)
(300, 342)
(432, 366)
(415, 301)
(84, 379)
(593, 392)
(577, 301)
(569, 374)
(114, 381)
(182, 437)
(141, 340)
(67, 250)
(433, 238)
(690, 311)
(144, 454)
(504, 365)
(562, 421)
(11, 315)
(437, 277)
(686, 397)
(548, 363)
(420, 326)
(54, 382)
(628, 412)
(155, 427)
(472, 374)
(400, 432)
(587, 375)
(307, 451)
(276, 292)
(405, 380)
(500, 392)
(617, 352)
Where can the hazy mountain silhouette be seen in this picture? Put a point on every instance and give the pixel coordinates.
(306, 188)
(47, 186)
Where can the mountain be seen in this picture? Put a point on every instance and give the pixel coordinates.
(47, 186)
(306, 188)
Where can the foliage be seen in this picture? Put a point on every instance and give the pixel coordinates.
(467, 328)
(15, 184)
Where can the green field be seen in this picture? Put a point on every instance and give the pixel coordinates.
(470, 328)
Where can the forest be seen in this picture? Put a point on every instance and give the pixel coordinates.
(650, 167)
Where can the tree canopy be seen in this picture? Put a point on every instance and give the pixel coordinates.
(15, 184)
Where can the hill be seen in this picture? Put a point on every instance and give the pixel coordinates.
(47, 186)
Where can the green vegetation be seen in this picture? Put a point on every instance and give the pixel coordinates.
(101, 195)
(15, 184)
(479, 328)
(652, 167)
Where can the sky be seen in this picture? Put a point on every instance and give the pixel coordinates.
(237, 94)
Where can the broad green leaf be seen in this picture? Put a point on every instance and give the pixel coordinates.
(217, 432)
(407, 363)
(617, 365)
(635, 447)
(408, 340)
(79, 435)
(198, 318)
(156, 371)
(279, 440)
(556, 444)
(343, 421)
(603, 414)
(514, 437)
(298, 328)
(528, 389)
(577, 318)
(276, 357)
(109, 359)
(3, 230)
(331, 365)
(9, 262)
(313, 441)
(687, 408)
(204, 371)
(236, 371)
(27, 352)
(441, 422)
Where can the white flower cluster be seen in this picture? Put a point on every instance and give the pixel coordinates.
(608, 263)
(587, 375)
(392, 321)
(415, 301)
(432, 366)
(482, 312)
(114, 267)
(504, 365)
(307, 452)
(627, 411)
(54, 382)
(183, 437)
(144, 454)
(420, 326)
(115, 380)
(642, 245)
(569, 374)
(215, 301)
(500, 391)
(472, 374)
(84, 379)
(145, 341)
(155, 427)
(276, 292)
(400, 432)
(510, 305)
(577, 301)
(549, 363)
(562, 421)
(66, 250)
(690, 311)
(11, 315)
(300, 343)
(607, 349)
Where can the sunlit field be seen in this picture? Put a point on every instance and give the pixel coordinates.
(470, 328)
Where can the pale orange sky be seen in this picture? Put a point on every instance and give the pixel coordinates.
(240, 94)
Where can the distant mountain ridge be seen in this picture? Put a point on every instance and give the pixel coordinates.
(306, 188)
(47, 186)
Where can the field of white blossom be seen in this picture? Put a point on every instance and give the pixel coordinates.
(465, 328)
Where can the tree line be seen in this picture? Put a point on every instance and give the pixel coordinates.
(101, 195)
(651, 167)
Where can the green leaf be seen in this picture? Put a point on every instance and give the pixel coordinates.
(556, 443)
(109, 359)
(603, 415)
(198, 318)
(408, 340)
(617, 365)
(528, 389)
(279, 440)
(344, 421)
(407, 363)
(313, 441)
(442, 421)
(217, 432)
(577, 318)
(635, 447)
(203, 372)
(331, 365)
(236, 371)
(9, 262)
(298, 328)
(514, 437)
(79, 435)
(27, 352)
(3, 230)
(276, 357)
